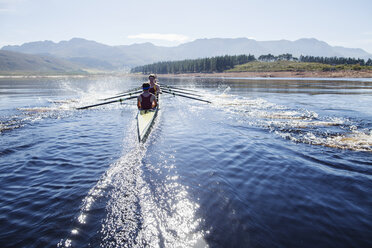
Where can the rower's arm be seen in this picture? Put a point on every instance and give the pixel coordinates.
(154, 103)
(139, 102)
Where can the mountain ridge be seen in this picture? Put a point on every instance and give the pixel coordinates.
(92, 54)
(13, 62)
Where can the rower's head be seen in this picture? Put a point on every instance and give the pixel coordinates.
(152, 78)
(145, 86)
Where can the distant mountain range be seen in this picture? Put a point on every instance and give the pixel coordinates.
(86, 54)
(14, 62)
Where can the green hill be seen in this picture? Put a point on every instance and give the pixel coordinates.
(14, 63)
(258, 66)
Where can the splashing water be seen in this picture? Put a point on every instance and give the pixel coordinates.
(140, 210)
(297, 125)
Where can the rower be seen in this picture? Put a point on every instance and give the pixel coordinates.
(146, 100)
(154, 87)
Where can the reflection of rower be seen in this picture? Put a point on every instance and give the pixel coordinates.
(154, 87)
(146, 100)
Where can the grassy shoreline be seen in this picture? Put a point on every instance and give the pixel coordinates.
(294, 66)
(255, 69)
(287, 69)
(281, 74)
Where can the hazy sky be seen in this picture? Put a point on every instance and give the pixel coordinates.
(171, 22)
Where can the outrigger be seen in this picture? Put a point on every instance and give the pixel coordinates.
(146, 118)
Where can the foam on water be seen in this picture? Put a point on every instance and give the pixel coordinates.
(297, 125)
(143, 206)
(64, 107)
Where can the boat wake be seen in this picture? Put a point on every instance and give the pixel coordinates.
(57, 108)
(297, 125)
(140, 203)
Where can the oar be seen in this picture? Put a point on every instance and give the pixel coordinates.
(183, 92)
(126, 94)
(172, 87)
(103, 103)
(128, 91)
(194, 98)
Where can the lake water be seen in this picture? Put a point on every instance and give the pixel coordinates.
(270, 163)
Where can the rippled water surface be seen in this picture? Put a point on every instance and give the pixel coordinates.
(270, 163)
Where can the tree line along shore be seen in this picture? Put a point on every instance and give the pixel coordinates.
(284, 65)
(264, 63)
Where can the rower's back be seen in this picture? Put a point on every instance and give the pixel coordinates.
(146, 100)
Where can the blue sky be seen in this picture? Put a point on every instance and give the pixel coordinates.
(169, 23)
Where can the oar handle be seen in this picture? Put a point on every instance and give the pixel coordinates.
(126, 94)
(183, 92)
(133, 89)
(104, 103)
(194, 98)
(172, 87)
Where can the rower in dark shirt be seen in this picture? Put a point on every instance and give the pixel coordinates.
(146, 100)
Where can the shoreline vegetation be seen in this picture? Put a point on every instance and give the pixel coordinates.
(240, 74)
(230, 74)
(251, 69)
(279, 74)
(284, 65)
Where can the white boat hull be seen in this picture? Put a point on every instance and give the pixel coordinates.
(145, 119)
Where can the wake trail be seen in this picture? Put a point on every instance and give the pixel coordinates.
(139, 202)
(298, 125)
